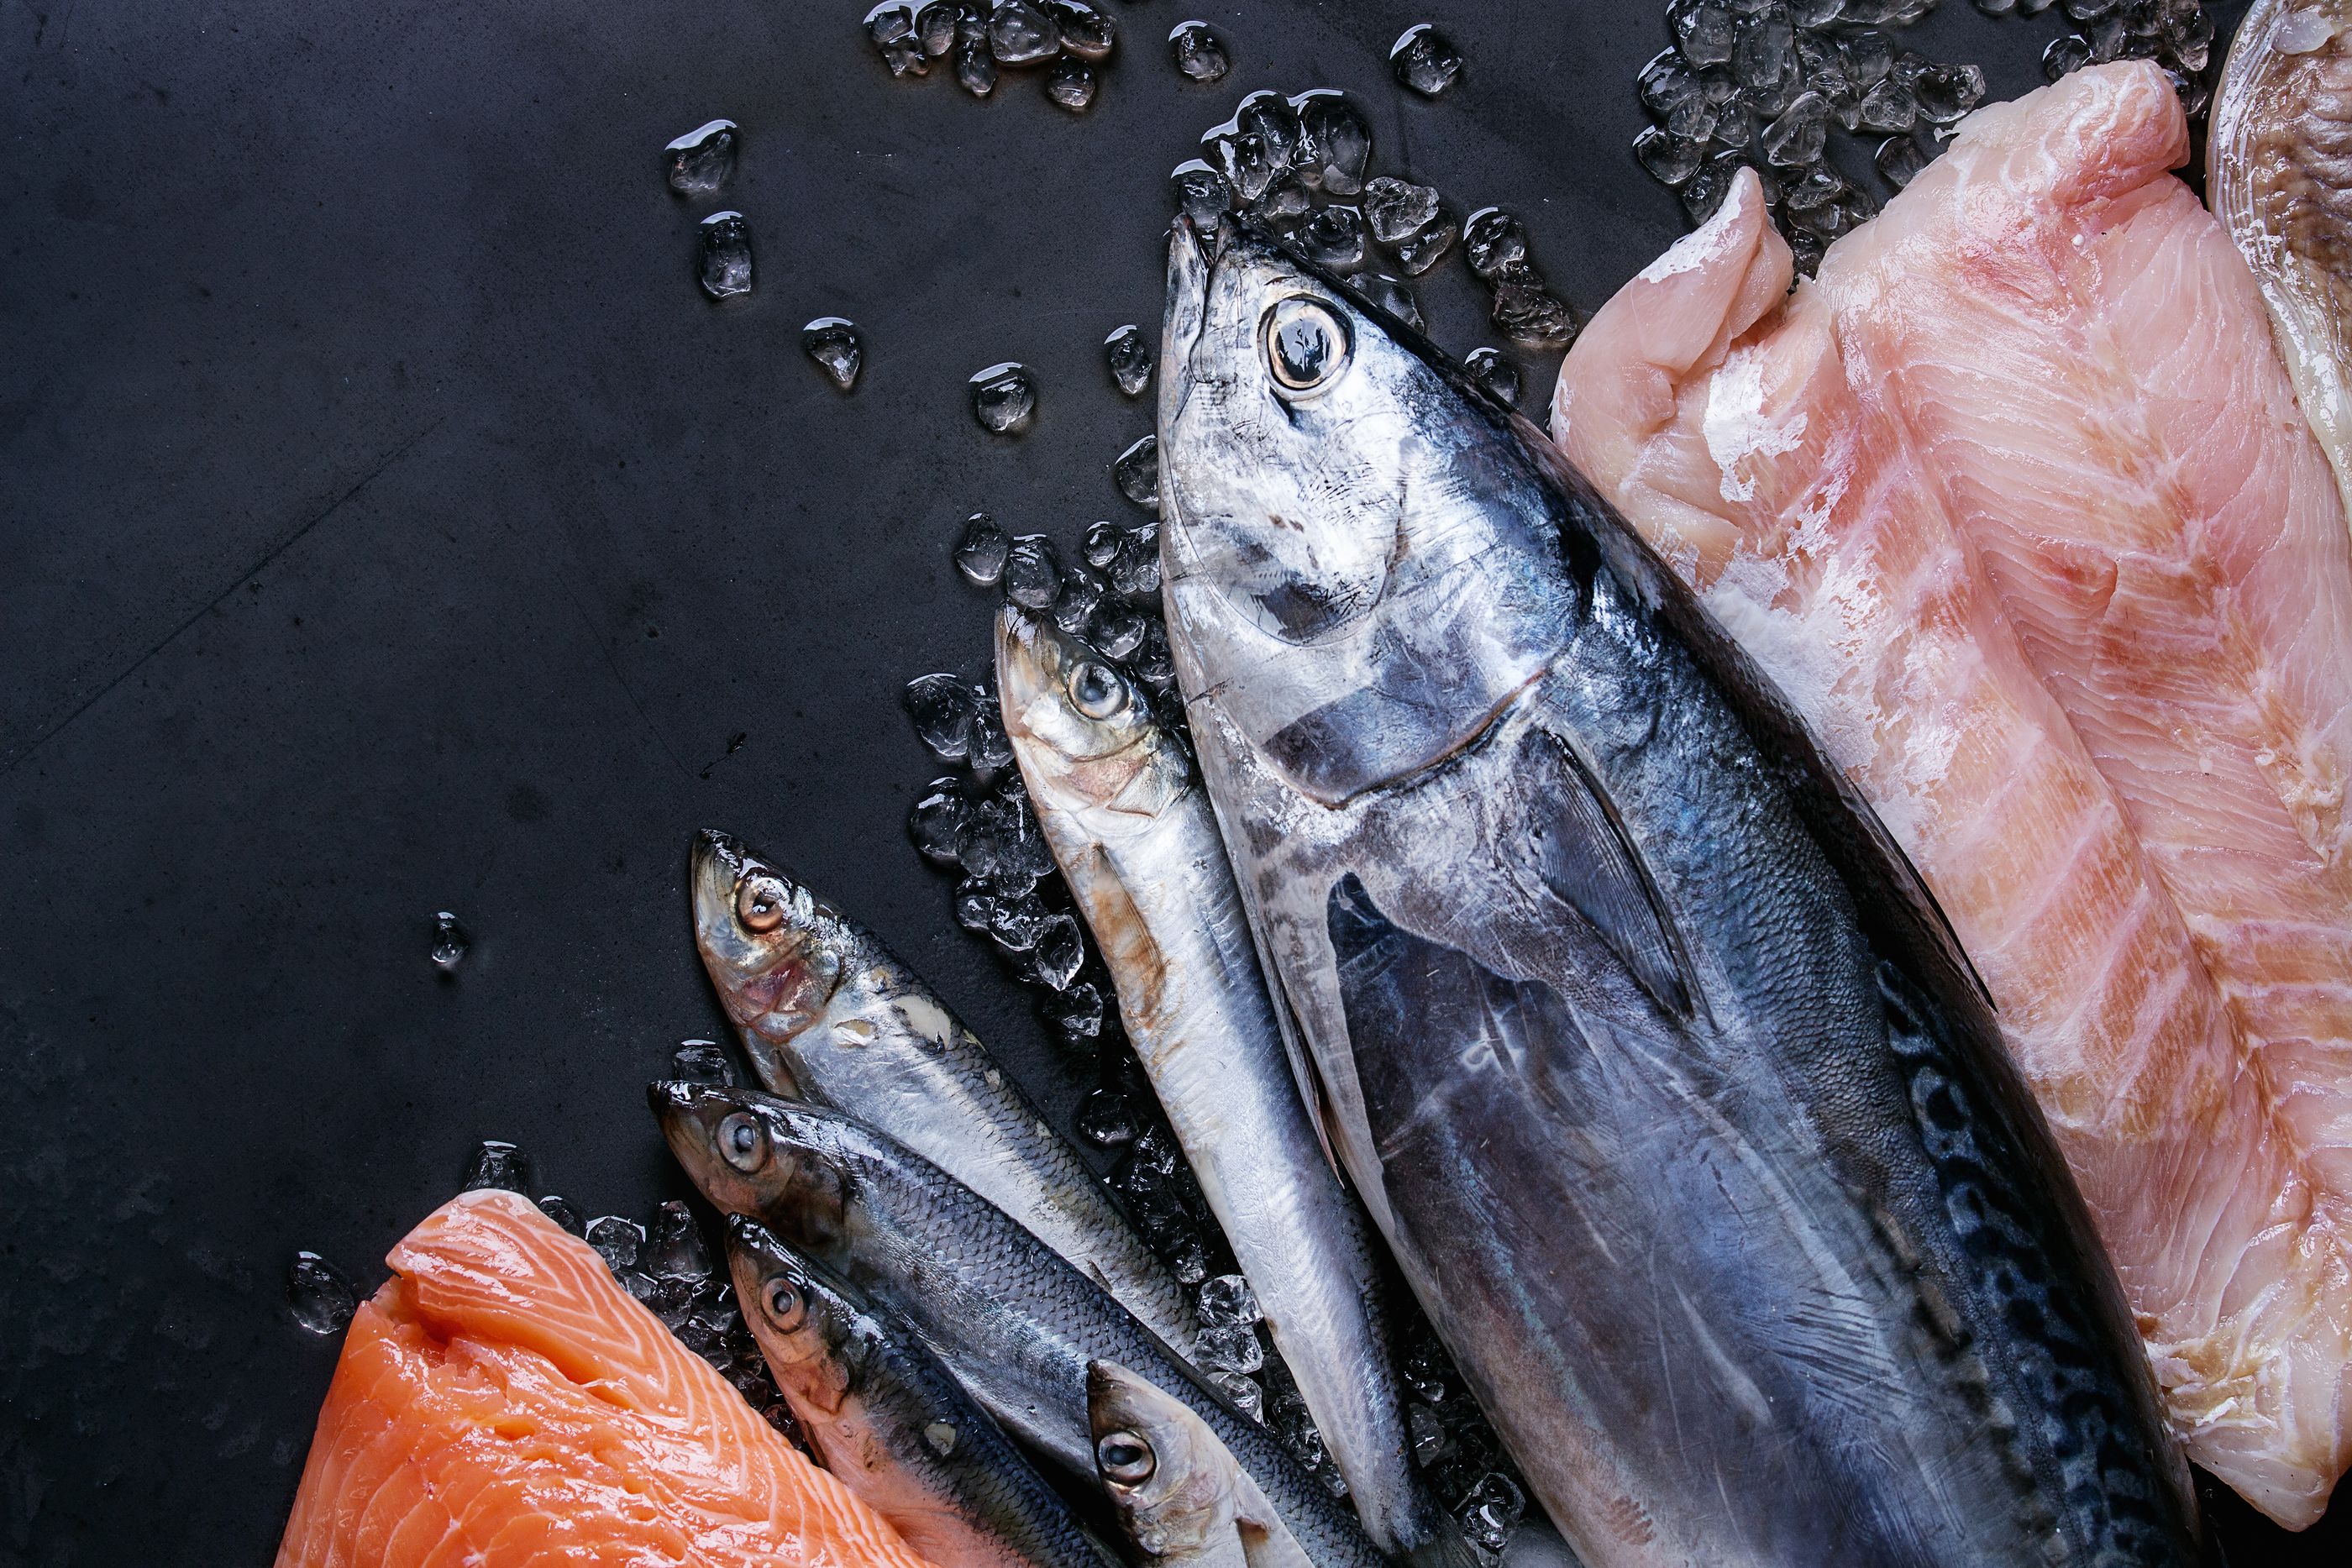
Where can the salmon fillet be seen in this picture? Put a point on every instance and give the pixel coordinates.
(502, 1400)
(1862, 490)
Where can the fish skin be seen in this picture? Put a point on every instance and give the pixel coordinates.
(1587, 941)
(829, 1015)
(1014, 1322)
(2276, 175)
(1137, 840)
(1194, 1506)
(1825, 540)
(503, 1402)
(892, 1423)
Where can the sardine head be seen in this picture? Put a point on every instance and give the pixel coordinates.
(1165, 1472)
(1082, 727)
(770, 944)
(1360, 558)
(803, 1322)
(748, 1154)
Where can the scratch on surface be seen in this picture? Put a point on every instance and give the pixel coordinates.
(168, 638)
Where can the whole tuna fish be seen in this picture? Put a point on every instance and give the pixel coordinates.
(829, 1015)
(1133, 832)
(1646, 1049)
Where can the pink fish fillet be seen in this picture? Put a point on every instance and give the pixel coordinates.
(1855, 477)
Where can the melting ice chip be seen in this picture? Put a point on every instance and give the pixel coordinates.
(1234, 1347)
(1395, 298)
(1019, 34)
(317, 1293)
(1397, 209)
(703, 159)
(1202, 193)
(1105, 1120)
(701, 1062)
(1061, 952)
(726, 255)
(449, 942)
(1242, 1393)
(1085, 31)
(1228, 1301)
(1137, 472)
(1425, 60)
(1199, 53)
(675, 1250)
(1335, 142)
(1003, 398)
(1333, 238)
(564, 1212)
(1071, 84)
(1032, 576)
(942, 707)
(980, 555)
(1128, 353)
(499, 1164)
(833, 342)
(617, 1240)
(1496, 374)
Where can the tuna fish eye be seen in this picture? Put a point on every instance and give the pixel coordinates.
(761, 901)
(784, 1302)
(743, 1142)
(1306, 344)
(1097, 691)
(1125, 1457)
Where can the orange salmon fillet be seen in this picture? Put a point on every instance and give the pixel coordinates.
(2015, 504)
(503, 1400)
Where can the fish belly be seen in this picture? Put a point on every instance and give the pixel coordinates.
(2015, 505)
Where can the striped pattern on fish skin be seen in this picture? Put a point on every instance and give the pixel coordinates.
(502, 1400)
(829, 1014)
(1778, 478)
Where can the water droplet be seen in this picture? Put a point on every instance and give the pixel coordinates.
(1104, 1119)
(1395, 298)
(1136, 472)
(938, 819)
(1076, 1011)
(726, 255)
(1335, 142)
(975, 67)
(1227, 1301)
(1242, 1393)
(449, 942)
(1496, 374)
(1397, 209)
(1032, 575)
(833, 342)
(979, 554)
(1201, 194)
(617, 1240)
(317, 1293)
(1128, 353)
(1061, 952)
(942, 707)
(1071, 84)
(1333, 237)
(1019, 34)
(1199, 53)
(675, 1249)
(563, 1211)
(1416, 253)
(1425, 60)
(701, 1062)
(1492, 240)
(703, 159)
(1085, 30)
(1003, 398)
(1230, 1349)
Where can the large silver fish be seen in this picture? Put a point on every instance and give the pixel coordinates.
(1014, 1321)
(1643, 1046)
(1135, 836)
(893, 1424)
(829, 1015)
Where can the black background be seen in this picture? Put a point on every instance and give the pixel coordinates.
(390, 525)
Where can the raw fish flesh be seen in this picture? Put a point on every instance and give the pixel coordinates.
(2015, 503)
(502, 1401)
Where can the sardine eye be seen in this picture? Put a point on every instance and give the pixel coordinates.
(743, 1142)
(1125, 1457)
(1097, 691)
(786, 1307)
(1306, 344)
(761, 901)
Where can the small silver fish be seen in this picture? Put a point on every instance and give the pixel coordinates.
(1179, 1493)
(829, 1015)
(1138, 843)
(893, 1424)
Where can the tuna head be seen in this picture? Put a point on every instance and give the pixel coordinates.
(754, 1154)
(1083, 730)
(1359, 554)
(772, 948)
(813, 1338)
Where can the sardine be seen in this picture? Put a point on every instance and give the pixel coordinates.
(829, 1015)
(1644, 1047)
(1138, 843)
(894, 1424)
(1179, 1495)
(2278, 174)
(1012, 1319)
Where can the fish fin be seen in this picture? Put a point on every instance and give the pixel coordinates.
(1585, 857)
(1095, 1272)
